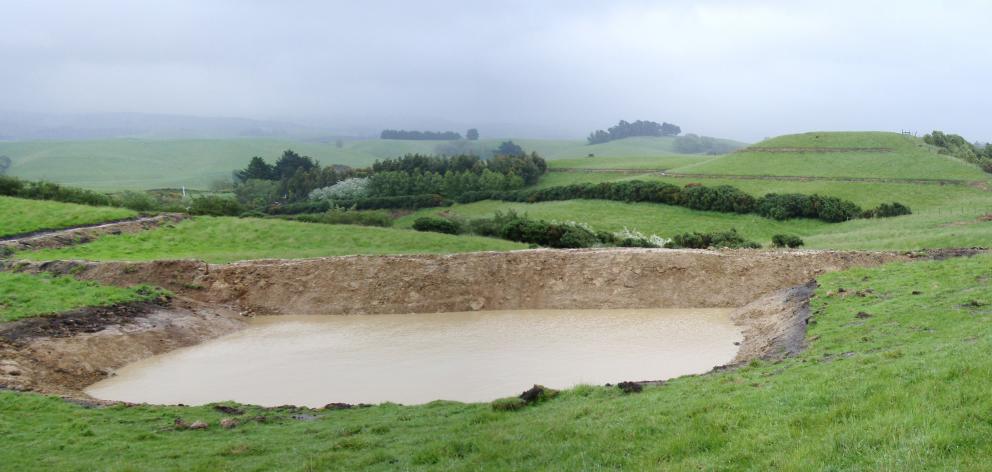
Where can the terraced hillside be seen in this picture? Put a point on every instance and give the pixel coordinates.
(872, 155)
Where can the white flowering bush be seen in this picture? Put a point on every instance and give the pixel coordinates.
(629, 237)
(347, 189)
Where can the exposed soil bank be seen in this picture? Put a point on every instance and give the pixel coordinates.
(85, 234)
(63, 354)
(534, 279)
(57, 356)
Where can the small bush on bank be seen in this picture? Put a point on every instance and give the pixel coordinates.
(562, 235)
(437, 225)
(718, 239)
(138, 201)
(786, 240)
(215, 206)
(887, 210)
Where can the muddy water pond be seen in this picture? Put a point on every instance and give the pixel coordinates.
(417, 358)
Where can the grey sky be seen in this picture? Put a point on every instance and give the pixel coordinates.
(741, 69)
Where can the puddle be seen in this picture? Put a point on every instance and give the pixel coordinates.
(417, 358)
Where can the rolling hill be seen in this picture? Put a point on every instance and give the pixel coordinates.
(116, 164)
(876, 155)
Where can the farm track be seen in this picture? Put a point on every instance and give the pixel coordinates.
(51, 239)
(789, 178)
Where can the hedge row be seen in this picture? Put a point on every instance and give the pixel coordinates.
(722, 198)
(406, 202)
(520, 228)
(14, 187)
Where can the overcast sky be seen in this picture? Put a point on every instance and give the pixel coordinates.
(740, 69)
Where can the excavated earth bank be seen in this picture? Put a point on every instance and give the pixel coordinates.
(65, 353)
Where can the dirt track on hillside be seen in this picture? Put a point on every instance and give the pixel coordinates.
(84, 234)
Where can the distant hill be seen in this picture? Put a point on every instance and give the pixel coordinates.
(36, 126)
(112, 164)
(840, 154)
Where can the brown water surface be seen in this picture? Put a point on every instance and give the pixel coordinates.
(416, 358)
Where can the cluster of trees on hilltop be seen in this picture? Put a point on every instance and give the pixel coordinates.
(959, 147)
(294, 178)
(695, 144)
(416, 174)
(291, 178)
(625, 129)
(422, 135)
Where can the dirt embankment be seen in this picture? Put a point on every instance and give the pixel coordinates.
(84, 234)
(535, 279)
(65, 353)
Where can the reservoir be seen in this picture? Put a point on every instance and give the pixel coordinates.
(417, 358)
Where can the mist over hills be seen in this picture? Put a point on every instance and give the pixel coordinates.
(40, 126)
(27, 126)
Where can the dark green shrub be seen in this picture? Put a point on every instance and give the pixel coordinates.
(437, 225)
(252, 214)
(10, 186)
(887, 210)
(137, 201)
(796, 205)
(695, 240)
(215, 206)
(786, 240)
(514, 227)
(722, 198)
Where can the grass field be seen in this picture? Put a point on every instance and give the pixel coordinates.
(904, 389)
(230, 239)
(23, 295)
(118, 164)
(910, 159)
(633, 162)
(19, 216)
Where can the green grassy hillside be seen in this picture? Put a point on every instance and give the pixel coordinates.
(24, 216)
(905, 157)
(23, 295)
(903, 388)
(230, 239)
(117, 164)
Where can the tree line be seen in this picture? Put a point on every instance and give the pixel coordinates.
(295, 178)
(422, 135)
(959, 147)
(624, 129)
(720, 198)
